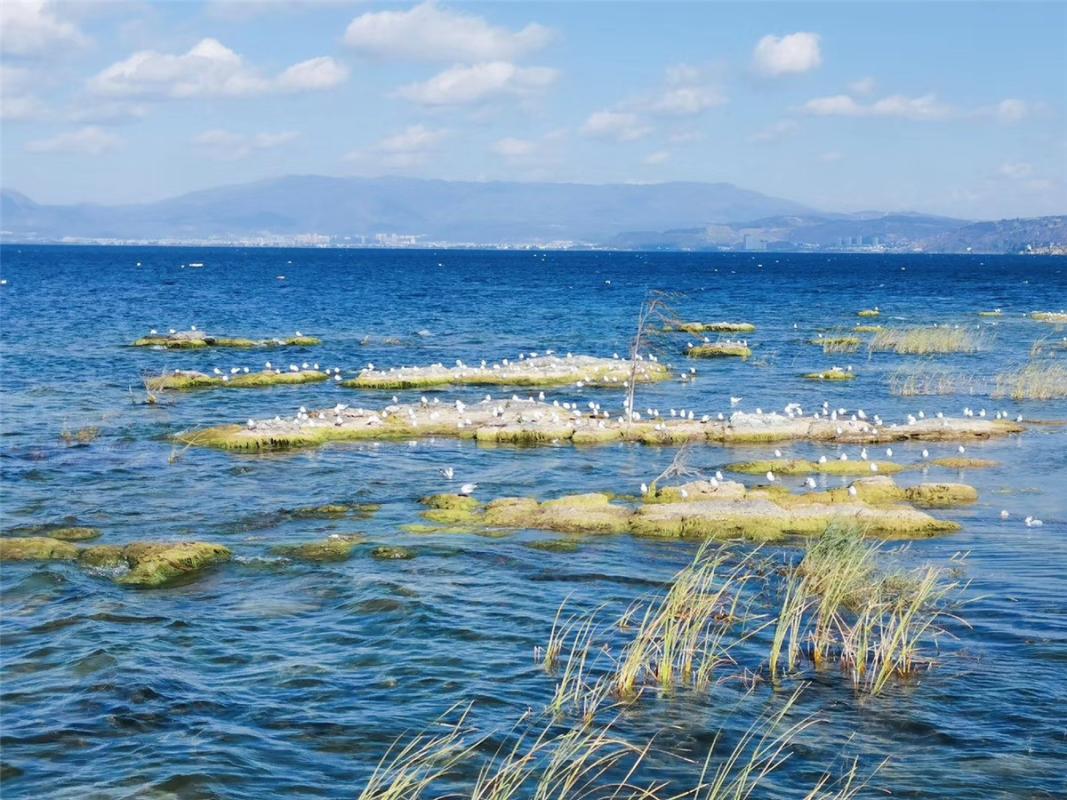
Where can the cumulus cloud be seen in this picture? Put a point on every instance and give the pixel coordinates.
(17, 101)
(1011, 110)
(89, 140)
(428, 32)
(774, 131)
(924, 107)
(32, 28)
(209, 69)
(410, 147)
(464, 85)
(794, 53)
(622, 126)
(687, 100)
(229, 146)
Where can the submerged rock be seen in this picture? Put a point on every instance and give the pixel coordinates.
(154, 564)
(528, 421)
(547, 370)
(74, 534)
(554, 545)
(710, 327)
(1055, 317)
(36, 548)
(193, 340)
(386, 553)
(332, 510)
(833, 374)
(102, 555)
(185, 379)
(797, 466)
(869, 312)
(954, 462)
(724, 349)
(335, 548)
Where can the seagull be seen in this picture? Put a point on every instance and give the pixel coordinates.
(1004, 514)
(810, 482)
(852, 491)
(770, 476)
(735, 400)
(777, 453)
(467, 489)
(926, 453)
(644, 488)
(962, 449)
(889, 452)
(1033, 522)
(448, 472)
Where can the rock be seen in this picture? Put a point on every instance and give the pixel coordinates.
(102, 555)
(710, 327)
(385, 553)
(554, 545)
(154, 564)
(724, 349)
(75, 534)
(36, 548)
(335, 548)
(834, 374)
(195, 340)
(184, 380)
(796, 466)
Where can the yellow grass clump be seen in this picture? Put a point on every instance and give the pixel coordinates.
(924, 341)
(1033, 382)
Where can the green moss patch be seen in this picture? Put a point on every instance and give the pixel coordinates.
(835, 374)
(36, 548)
(387, 553)
(786, 466)
(724, 349)
(154, 564)
(335, 548)
(964, 463)
(185, 380)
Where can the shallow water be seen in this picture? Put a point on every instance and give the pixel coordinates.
(266, 677)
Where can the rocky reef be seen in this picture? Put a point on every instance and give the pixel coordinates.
(710, 327)
(196, 340)
(722, 349)
(186, 379)
(533, 370)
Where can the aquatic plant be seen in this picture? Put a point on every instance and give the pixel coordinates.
(1035, 381)
(838, 343)
(80, 436)
(832, 374)
(932, 381)
(923, 341)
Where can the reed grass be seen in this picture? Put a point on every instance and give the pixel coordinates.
(924, 341)
(845, 343)
(80, 436)
(1035, 381)
(931, 382)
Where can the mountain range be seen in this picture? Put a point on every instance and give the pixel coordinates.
(394, 210)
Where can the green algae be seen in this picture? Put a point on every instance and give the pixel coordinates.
(335, 548)
(1054, 317)
(74, 534)
(964, 463)
(724, 349)
(554, 545)
(784, 466)
(710, 327)
(155, 564)
(196, 340)
(452, 509)
(835, 374)
(184, 380)
(334, 510)
(869, 312)
(392, 553)
(102, 555)
(36, 548)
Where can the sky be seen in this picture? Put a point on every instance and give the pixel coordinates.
(953, 108)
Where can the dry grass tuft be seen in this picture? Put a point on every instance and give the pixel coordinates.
(932, 381)
(1035, 381)
(934, 340)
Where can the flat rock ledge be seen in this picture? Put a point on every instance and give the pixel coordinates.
(195, 340)
(545, 370)
(725, 349)
(710, 327)
(188, 379)
(532, 422)
(148, 564)
(719, 510)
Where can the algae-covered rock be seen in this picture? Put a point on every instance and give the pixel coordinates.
(941, 495)
(833, 374)
(36, 548)
(837, 344)
(335, 548)
(869, 312)
(387, 553)
(102, 555)
(333, 510)
(538, 370)
(724, 349)
(195, 340)
(867, 329)
(881, 490)
(796, 466)
(953, 462)
(74, 534)
(710, 327)
(154, 564)
(696, 490)
(1055, 317)
(187, 380)
(554, 545)
(451, 509)
(996, 312)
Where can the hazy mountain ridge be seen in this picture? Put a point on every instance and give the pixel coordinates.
(668, 216)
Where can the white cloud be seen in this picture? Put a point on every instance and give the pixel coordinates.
(621, 126)
(30, 27)
(774, 131)
(108, 113)
(785, 55)
(1011, 110)
(228, 146)
(924, 107)
(17, 102)
(410, 147)
(430, 33)
(687, 100)
(462, 85)
(89, 140)
(510, 147)
(863, 86)
(209, 69)
(658, 157)
(685, 137)
(1016, 170)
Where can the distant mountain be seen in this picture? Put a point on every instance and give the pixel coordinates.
(1005, 236)
(454, 211)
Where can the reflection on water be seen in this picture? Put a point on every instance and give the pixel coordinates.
(269, 677)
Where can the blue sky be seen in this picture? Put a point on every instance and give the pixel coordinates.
(954, 108)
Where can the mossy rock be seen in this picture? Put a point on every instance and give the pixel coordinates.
(451, 509)
(1055, 317)
(867, 328)
(941, 495)
(869, 312)
(831, 375)
(842, 342)
(417, 529)
(953, 462)
(196, 340)
(796, 466)
(102, 555)
(187, 380)
(74, 534)
(331, 510)
(554, 545)
(392, 553)
(719, 350)
(154, 564)
(36, 548)
(710, 327)
(335, 548)
(996, 312)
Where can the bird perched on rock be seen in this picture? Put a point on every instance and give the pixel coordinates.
(467, 489)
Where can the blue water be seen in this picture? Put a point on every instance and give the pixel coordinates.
(267, 678)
